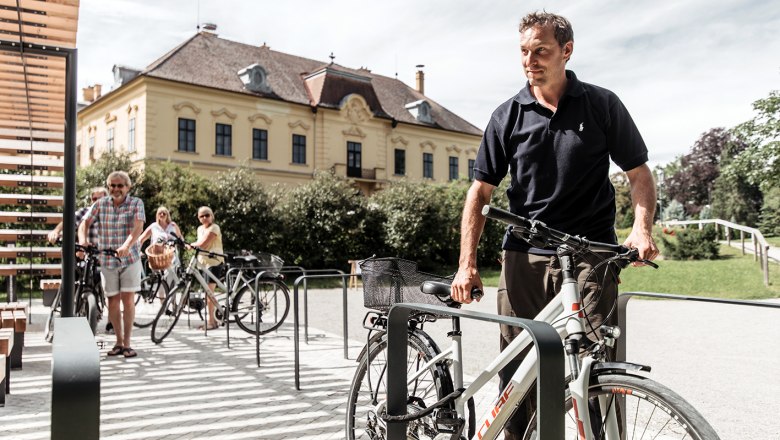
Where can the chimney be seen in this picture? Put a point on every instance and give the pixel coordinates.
(88, 93)
(209, 28)
(98, 88)
(420, 79)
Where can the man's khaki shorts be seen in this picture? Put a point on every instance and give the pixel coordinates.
(122, 279)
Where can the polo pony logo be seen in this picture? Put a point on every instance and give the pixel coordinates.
(582, 126)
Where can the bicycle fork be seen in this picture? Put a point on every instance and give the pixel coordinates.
(580, 370)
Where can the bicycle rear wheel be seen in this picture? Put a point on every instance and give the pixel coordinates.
(274, 306)
(149, 300)
(368, 393)
(169, 313)
(651, 411)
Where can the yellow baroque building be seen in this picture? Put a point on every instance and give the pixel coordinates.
(215, 104)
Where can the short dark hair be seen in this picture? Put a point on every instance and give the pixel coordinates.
(561, 26)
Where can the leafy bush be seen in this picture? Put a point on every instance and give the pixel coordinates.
(769, 223)
(673, 211)
(178, 188)
(323, 223)
(416, 224)
(243, 210)
(692, 244)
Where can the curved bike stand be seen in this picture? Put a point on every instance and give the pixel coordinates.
(623, 299)
(550, 394)
(302, 279)
(75, 390)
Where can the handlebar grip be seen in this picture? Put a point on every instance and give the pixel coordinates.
(504, 216)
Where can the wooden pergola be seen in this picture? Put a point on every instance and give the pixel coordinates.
(38, 129)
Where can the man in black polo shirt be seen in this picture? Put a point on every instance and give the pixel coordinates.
(555, 139)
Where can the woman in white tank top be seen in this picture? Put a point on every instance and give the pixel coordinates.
(161, 230)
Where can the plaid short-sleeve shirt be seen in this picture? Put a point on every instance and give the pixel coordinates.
(115, 225)
(93, 228)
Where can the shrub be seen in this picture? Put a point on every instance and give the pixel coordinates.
(178, 188)
(692, 244)
(243, 210)
(416, 224)
(323, 223)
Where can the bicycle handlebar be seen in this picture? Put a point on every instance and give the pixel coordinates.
(179, 241)
(93, 250)
(538, 234)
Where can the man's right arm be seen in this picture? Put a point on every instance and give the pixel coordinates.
(471, 227)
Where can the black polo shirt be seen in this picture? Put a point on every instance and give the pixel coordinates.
(559, 162)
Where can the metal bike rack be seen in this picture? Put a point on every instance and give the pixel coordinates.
(303, 278)
(75, 390)
(623, 299)
(263, 270)
(550, 394)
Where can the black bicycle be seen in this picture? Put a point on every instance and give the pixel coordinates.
(89, 295)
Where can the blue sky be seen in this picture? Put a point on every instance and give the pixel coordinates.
(680, 67)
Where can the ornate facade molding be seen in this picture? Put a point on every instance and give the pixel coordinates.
(400, 140)
(454, 148)
(183, 104)
(109, 118)
(354, 131)
(262, 116)
(299, 123)
(223, 111)
(429, 144)
(471, 150)
(131, 108)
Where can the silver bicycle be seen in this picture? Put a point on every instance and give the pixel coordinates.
(604, 400)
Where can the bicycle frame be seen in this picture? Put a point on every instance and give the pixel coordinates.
(565, 315)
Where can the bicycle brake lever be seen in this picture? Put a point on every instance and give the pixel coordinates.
(648, 263)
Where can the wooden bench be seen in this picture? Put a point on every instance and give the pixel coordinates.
(2, 380)
(49, 287)
(13, 317)
(6, 347)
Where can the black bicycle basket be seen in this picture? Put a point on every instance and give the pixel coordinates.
(387, 281)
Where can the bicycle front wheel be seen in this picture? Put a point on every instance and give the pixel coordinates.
(274, 304)
(149, 300)
(368, 393)
(169, 313)
(53, 313)
(651, 411)
(90, 303)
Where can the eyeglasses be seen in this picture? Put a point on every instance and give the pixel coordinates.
(117, 185)
(95, 199)
(204, 215)
(162, 214)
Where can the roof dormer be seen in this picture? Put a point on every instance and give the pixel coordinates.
(421, 111)
(255, 78)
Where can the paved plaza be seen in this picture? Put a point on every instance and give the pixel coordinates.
(194, 387)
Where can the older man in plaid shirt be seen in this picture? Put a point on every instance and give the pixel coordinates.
(121, 221)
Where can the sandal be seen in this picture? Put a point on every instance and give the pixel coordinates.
(129, 352)
(116, 351)
(203, 327)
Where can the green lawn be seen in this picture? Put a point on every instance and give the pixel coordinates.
(773, 241)
(732, 276)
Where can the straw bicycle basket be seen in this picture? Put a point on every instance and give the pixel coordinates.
(387, 281)
(160, 256)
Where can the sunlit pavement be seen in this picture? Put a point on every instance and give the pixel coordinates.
(193, 386)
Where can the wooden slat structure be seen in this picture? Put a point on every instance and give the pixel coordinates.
(30, 200)
(14, 235)
(49, 218)
(30, 252)
(34, 181)
(37, 131)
